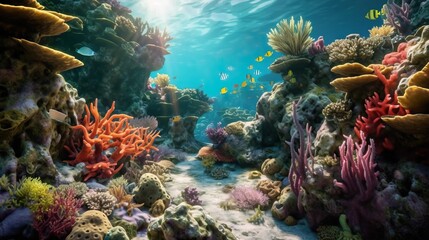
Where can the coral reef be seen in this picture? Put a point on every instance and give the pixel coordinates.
(101, 201)
(190, 195)
(248, 197)
(353, 49)
(149, 190)
(91, 225)
(188, 222)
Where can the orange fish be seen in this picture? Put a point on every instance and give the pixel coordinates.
(244, 84)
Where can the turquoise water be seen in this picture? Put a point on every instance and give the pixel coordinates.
(212, 35)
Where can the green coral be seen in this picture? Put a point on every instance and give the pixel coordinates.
(4, 183)
(346, 233)
(130, 229)
(34, 194)
(118, 182)
(79, 188)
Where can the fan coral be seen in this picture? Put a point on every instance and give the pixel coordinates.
(34, 194)
(248, 198)
(58, 220)
(383, 31)
(149, 122)
(190, 195)
(216, 134)
(290, 38)
(102, 201)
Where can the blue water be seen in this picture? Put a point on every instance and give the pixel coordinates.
(210, 35)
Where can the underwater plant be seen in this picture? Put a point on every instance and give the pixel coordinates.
(34, 194)
(290, 38)
(248, 197)
(58, 220)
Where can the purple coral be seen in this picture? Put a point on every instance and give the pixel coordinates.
(248, 198)
(216, 134)
(317, 47)
(190, 195)
(359, 182)
(399, 16)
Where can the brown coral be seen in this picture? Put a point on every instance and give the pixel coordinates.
(271, 166)
(92, 225)
(271, 188)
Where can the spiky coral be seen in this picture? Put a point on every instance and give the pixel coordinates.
(162, 80)
(248, 198)
(290, 38)
(216, 134)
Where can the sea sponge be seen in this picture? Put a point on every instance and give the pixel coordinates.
(149, 190)
(91, 225)
(271, 188)
(271, 166)
(34, 194)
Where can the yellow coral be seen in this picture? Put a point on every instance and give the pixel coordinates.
(382, 31)
(162, 80)
(34, 194)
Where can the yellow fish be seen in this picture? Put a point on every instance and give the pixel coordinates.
(290, 73)
(176, 119)
(248, 76)
(293, 80)
(268, 54)
(259, 59)
(261, 86)
(244, 84)
(224, 90)
(373, 14)
(250, 67)
(234, 92)
(252, 80)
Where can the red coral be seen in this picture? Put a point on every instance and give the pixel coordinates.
(396, 57)
(92, 141)
(375, 108)
(58, 220)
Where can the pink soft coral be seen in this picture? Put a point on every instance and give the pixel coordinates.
(396, 57)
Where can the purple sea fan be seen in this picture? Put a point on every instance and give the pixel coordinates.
(249, 198)
(216, 134)
(398, 16)
(190, 195)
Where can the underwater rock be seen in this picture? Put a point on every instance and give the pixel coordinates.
(182, 134)
(116, 233)
(185, 221)
(13, 225)
(418, 54)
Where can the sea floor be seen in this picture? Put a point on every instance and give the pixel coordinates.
(191, 173)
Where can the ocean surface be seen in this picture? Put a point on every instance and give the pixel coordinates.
(212, 37)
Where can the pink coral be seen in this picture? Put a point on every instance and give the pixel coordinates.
(396, 57)
(248, 197)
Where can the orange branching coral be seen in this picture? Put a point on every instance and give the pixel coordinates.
(94, 138)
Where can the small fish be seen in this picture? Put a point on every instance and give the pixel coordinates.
(259, 59)
(176, 119)
(230, 68)
(252, 80)
(223, 76)
(85, 51)
(268, 54)
(244, 84)
(261, 86)
(248, 76)
(257, 72)
(223, 90)
(292, 80)
(236, 85)
(373, 14)
(234, 92)
(250, 67)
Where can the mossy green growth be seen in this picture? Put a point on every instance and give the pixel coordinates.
(4, 183)
(34, 194)
(130, 229)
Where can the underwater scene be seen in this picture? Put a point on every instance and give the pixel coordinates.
(214, 119)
